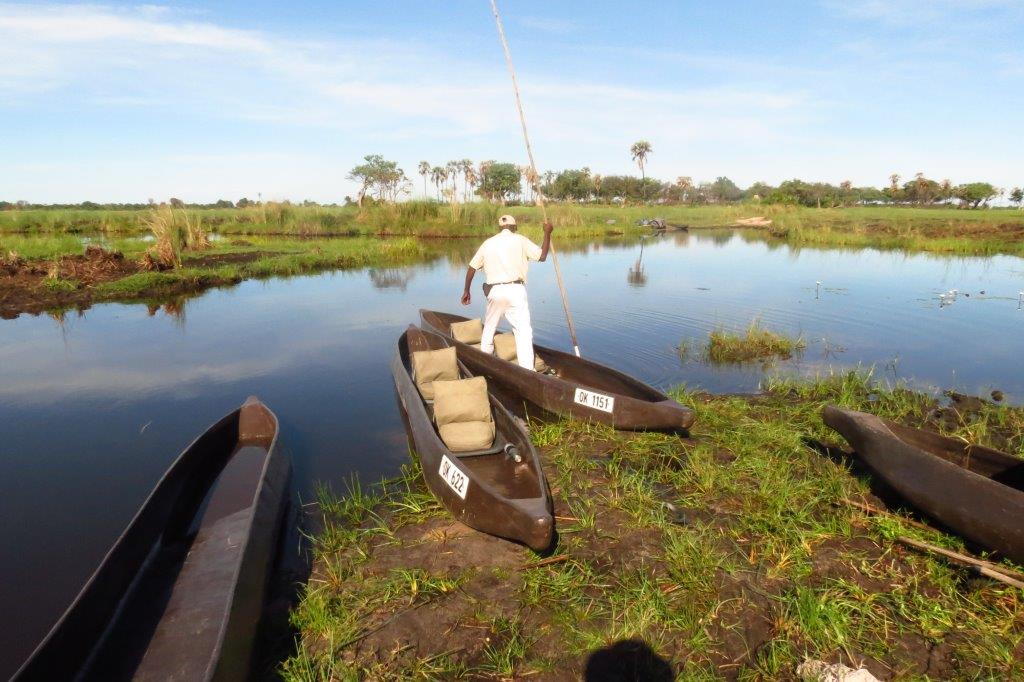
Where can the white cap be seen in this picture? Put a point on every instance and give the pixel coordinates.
(506, 221)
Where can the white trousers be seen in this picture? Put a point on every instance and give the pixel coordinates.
(509, 300)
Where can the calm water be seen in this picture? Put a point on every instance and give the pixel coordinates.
(94, 408)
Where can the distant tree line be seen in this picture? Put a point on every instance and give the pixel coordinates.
(381, 180)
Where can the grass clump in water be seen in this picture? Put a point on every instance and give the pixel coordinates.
(756, 343)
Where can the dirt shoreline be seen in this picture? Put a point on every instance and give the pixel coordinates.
(71, 282)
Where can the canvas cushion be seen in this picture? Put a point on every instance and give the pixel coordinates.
(467, 436)
(429, 366)
(505, 346)
(464, 400)
(470, 331)
(462, 411)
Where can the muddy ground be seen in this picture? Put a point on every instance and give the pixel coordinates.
(70, 282)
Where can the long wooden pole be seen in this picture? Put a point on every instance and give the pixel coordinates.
(986, 568)
(534, 177)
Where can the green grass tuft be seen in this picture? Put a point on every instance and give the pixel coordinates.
(756, 343)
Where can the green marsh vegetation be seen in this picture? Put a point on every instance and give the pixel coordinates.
(731, 553)
(754, 343)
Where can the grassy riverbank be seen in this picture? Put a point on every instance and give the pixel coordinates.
(66, 281)
(933, 229)
(731, 554)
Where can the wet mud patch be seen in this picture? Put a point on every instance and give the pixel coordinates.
(70, 282)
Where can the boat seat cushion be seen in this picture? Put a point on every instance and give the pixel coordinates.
(429, 366)
(462, 411)
(470, 331)
(467, 436)
(505, 348)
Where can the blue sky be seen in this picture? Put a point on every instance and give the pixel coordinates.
(123, 102)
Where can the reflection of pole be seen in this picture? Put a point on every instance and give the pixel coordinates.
(534, 177)
(1020, 300)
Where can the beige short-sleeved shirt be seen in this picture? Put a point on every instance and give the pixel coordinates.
(504, 257)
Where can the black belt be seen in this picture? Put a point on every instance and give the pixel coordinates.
(487, 287)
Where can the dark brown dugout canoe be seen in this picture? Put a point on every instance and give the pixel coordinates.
(974, 491)
(486, 489)
(180, 594)
(580, 388)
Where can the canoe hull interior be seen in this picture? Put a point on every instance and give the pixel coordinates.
(489, 492)
(582, 389)
(976, 492)
(181, 592)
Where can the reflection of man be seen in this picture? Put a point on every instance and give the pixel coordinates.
(504, 259)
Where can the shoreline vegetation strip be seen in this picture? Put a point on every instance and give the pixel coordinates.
(283, 240)
(731, 554)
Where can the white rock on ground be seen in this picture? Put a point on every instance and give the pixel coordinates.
(820, 671)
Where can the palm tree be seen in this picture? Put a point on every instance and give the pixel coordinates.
(640, 151)
(466, 167)
(424, 171)
(454, 168)
(439, 176)
(471, 181)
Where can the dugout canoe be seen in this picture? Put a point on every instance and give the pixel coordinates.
(579, 388)
(487, 489)
(974, 491)
(180, 594)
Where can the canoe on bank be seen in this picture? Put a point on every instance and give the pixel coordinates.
(484, 488)
(574, 387)
(974, 491)
(180, 594)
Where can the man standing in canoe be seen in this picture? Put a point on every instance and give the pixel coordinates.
(504, 259)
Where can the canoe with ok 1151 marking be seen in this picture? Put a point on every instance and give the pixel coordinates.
(975, 491)
(180, 594)
(486, 489)
(576, 387)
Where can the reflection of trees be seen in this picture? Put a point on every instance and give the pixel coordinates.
(391, 278)
(681, 238)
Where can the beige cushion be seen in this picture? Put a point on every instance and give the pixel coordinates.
(462, 411)
(469, 331)
(467, 436)
(505, 346)
(429, 366)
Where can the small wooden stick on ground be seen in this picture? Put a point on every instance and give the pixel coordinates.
(985, 568)
(867, 508)
(549, 560)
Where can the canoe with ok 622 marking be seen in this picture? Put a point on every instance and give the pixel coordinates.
(476, 458)
(570, 386)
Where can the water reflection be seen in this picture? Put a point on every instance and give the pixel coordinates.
(391, 278)
(636, 276)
